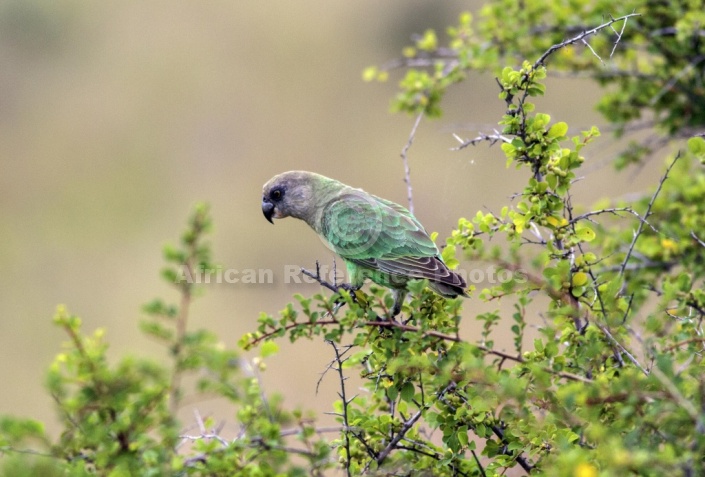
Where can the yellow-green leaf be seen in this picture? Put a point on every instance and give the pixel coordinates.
(269, 348)
(369, 73)
(558, 130)
(696, 146)
(579, 279)
(448, 255)
(585, 234)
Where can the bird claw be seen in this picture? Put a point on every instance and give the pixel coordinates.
(348, 287)
(351, 289)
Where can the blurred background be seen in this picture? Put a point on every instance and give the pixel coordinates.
(116, 117)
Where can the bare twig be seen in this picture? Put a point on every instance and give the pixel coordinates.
(344, 415)
(584, 42)
(692, 234)
(317, 276)
(207, 436)
(405, 161)
(615, 211)
(446, 55)
(619, 36)
(621, 347)
(479, 465)
(334, 287)
(581, 37)
(256, 441)
(408, 424)
(481, 137)
(646, 214)
(204, 434)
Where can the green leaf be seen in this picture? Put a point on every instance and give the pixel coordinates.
(585, 234)
(558, 130)
(407, 391)
(696, 146)
(369, 73)
(429, 41)
(392, 392)
(448, 255)
(269, 348)
(579, 279)
(463, 435)
(552, 180)
(541, 120)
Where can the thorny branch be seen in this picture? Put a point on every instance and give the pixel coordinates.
(619, 36)
(697, 239)
(646, 215)
(338, 362)
(428, 59)
(204, 434)
(614, 211)
(317, 276)
(581, 37)
(255, 442)
(408, 424)
(481, 137)
(405, 161)
(621, 348)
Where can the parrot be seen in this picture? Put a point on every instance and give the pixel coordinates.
(377, 239)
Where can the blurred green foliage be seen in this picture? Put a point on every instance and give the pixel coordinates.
(612, 385)
(119, 420)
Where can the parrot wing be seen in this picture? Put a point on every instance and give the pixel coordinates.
(381, 235)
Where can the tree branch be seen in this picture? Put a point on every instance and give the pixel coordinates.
(339, 368)
(646, 214)
(408, 424)
(405, 161)
(481, 137)
(582, 36)
(613, 210)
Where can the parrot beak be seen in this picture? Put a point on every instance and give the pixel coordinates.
(268, 210)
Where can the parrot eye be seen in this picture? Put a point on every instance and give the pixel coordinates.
(276, 194)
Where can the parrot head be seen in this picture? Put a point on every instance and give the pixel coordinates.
(290, 194)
